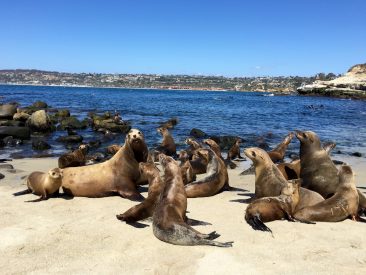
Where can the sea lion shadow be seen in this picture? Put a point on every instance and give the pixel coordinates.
(361, 187)
(137, 224)
(142, 189)
(64, 196)
(248, 200)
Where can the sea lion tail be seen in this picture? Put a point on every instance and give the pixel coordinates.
(215, 243)
(256, 223)
(24, 192)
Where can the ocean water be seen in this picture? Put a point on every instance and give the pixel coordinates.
(249, 115)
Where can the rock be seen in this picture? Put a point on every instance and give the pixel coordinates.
(63, 113)
(197, 133)
(12, 142)
(40, 145)
(70, 139)
(1, 176)
(40, 122)
(357, 154)
(11, 123)
(350, 85)
(94, 143)
(108, 124)
(14, 131)
(40, 105)
(225, 142)
(7, 110)
(2, 143)
(6, 166)
(21, 116)
(73, 123)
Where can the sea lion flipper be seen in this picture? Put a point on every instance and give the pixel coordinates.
(41, 198)
(193, 222)
(24, 192)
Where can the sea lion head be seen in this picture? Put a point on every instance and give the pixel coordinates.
(308, 138)
(289, 137)
(238, 140)
(165, 160)
(210, 142)
(183, 155)
(84, 148)
(189, 141)
(345, 174)
(136, 141)
(148, 168)
(55, 173)
(291, 188)
(162, 130)
(257, 155)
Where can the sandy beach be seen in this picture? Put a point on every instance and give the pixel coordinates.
(82, 235)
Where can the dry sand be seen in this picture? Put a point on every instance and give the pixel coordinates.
(82, 235)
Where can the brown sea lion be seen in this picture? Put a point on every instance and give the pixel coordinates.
(269, 209)
(167, 146)
(234, 151)
(269, 181)
(216, 179)
(186, 168)
(292, 170)
(118, 175)
(146, 208)
(169, 216)
(113, 149)
(193, 146)
(75, 158)
(43, 184)
(278, 153)
(216, 148)
(343, 204)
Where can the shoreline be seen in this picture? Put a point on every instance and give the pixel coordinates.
(50, 236)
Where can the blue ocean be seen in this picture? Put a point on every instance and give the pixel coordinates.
(249, 115)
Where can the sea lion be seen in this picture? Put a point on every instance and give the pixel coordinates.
(75, 158)
(278, 153)
(193, 146)
(269, 209)
(186, 168)
(113, 149)
(118, 175)
(234, 151)
(269, 181)
(307, 197)
(292, 170)
(169, 216)
(146, 208)
(167, 146)
(343, 204)
(216, 179)
(43, 184)
(216, 148)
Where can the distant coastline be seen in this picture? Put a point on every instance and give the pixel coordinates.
(279, 84)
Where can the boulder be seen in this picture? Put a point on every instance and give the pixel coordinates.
(15, 131)
(12, 142)
(40, 122)
(197, 133)
(70, 139)
(73, 123)
(108, 124)
(11, 123)
(40, 105)
(21, 116)
(63, 113)
(40, 145)
(225, 142)
(7, 110)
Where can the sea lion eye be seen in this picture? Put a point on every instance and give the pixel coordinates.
(53, 173)
(254, 154)
(139, 132)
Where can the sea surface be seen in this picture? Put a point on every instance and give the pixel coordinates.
(252, 116)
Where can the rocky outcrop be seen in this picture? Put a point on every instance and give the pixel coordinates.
(39, 121)
(350, 85)
(15, 131)
(7, 110)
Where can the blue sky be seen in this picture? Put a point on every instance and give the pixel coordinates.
(231, 38)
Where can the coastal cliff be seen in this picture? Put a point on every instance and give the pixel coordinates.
(350, 85)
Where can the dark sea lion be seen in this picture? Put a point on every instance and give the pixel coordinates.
(167, 146)
(75, 158)
(216, 179)
(118, 175)
(269, 209)
(169, 216)
(343, 204)
(269, 181)
(234, 151)
(146, 208)
(43, 184)
(278, 153)
(186, 168)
